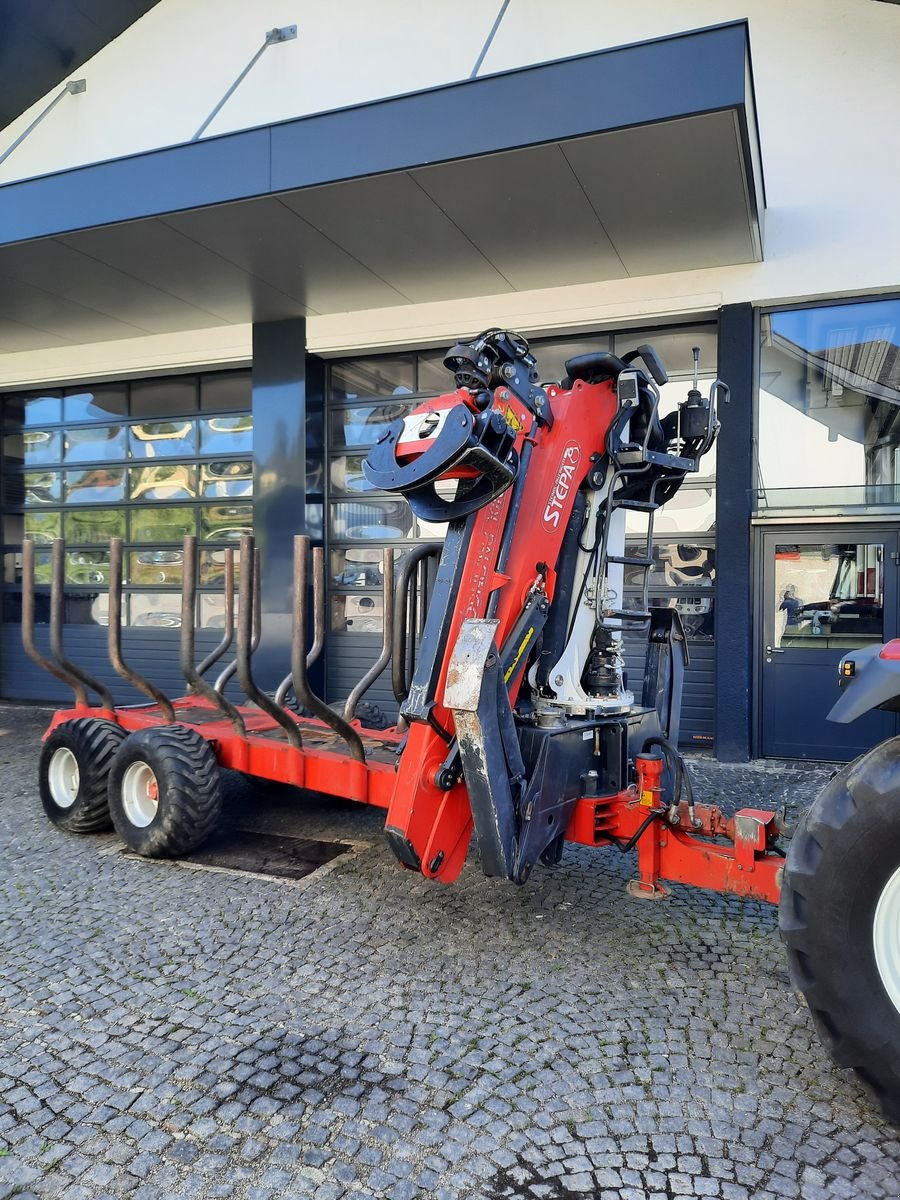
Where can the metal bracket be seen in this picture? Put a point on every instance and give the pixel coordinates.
(286, 33)
(74, 87)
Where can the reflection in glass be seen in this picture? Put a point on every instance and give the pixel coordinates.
(154, 610)
(95, 443)
(358, 567)
(829, 401)
(167, 481)
(347, 475)
(433, 377)
(227, 477)
(375, 520)
(87, 609)
(357, 613)
(92, 403)
(829, 596)
(87, 567)
(212, 568)
(95, 525)
(41, 527)
(13, 528)
(12, 572)
(212, 612)
(155, 568)
(95, 485)
(227, 435)
(674, 345)
(697, 610)
(39, 487)
(551, 356)
(675, 564)
(691, 510)
(225, 522)
(32, 447)
(160, 524)
(163, 439)
(360, 378)
(363, 426)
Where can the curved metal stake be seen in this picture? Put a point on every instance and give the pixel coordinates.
(214, 655)
(28, 643)
(114, 636)
(248, 608)
(387, 639)
(57, 612)
(256, 606)
(302, 690)
(188, 616)
(409, 608)
(318, 557)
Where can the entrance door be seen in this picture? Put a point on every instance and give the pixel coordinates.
(824, 592)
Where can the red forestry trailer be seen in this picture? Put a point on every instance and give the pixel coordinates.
(517, 718)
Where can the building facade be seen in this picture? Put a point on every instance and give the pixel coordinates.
(241, 247)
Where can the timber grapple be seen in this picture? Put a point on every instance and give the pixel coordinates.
(505, 646)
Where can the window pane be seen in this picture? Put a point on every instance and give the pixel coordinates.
(212, 568)
(164, 439)
(96, 525)
(691, 510)
(89, 404)
(358, 567)
(225, 522)
(347, 475)
(829, 398)
(36, 410)
(551, 355)
(155, 568)
(38, 487)
(363, 426)
(93, 443)
(97, 485)
(87, 567)
(359, 378)
(229, 392)
(12, 575)
(87, 609)
(13, 528)
(226, 435)
(357, 614)
(675, 564)
(32, 447)
(697, 611)
(154, 610)
(434, 378)
(168, 481)
(829, 596)
(40, 526)
(227, 477)
(174, 397)
(159, 524)
(212, 616)
(675, 348)
(375, 520)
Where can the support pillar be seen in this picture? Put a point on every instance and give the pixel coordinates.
(287, 414)
(734, 508)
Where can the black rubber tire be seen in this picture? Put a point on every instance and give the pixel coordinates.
(94, 743)
(372, 716)
(845, 849)
(189, 791)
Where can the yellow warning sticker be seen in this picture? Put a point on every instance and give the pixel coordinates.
(513, 420)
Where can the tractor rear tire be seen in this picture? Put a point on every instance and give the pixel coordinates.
(73, 772)
(165, 792)
(840, 918)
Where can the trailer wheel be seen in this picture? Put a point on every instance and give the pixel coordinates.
(165, 791)
(840, 918)
(73, 772)
(372, 716)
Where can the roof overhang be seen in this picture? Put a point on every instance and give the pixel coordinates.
(633, 161)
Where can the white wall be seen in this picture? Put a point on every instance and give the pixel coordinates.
(827, 75)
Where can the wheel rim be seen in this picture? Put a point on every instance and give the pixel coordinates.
(140, 794)
(886, 937)
(64, 777)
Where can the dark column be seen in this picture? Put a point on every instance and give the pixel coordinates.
(734, 483)
(281, 380)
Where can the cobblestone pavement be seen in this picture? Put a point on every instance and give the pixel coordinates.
(167, 1032)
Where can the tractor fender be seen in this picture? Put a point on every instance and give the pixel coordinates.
(875, 682)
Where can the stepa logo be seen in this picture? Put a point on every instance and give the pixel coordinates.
(562, 485)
